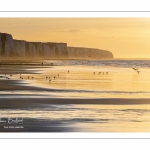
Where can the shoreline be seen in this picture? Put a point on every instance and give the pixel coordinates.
(18, 84)
(12, 103)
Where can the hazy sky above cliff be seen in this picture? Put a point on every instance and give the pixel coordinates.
(124, 37)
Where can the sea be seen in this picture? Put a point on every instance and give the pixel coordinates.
(128, 80)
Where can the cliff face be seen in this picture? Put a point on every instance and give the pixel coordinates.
(88, 53)
(19, 48)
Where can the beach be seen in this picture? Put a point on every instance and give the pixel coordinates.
(76, 96)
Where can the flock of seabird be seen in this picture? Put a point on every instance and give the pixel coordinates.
(49, 78)
(101, 73)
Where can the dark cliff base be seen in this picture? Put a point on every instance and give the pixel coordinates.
(4, 60)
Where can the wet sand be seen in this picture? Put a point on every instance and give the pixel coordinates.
(38, 125)
(18, 99)
(37, 102)
(19, 85)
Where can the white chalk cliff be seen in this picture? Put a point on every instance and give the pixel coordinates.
(20, 48)
(88, 53)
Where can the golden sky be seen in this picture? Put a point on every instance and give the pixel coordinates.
(124, 37)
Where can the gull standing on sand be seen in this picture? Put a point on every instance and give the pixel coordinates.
(134, 68)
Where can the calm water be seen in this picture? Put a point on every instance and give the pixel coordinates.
(121, 81)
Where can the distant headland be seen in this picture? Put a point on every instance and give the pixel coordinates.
(10, 47)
